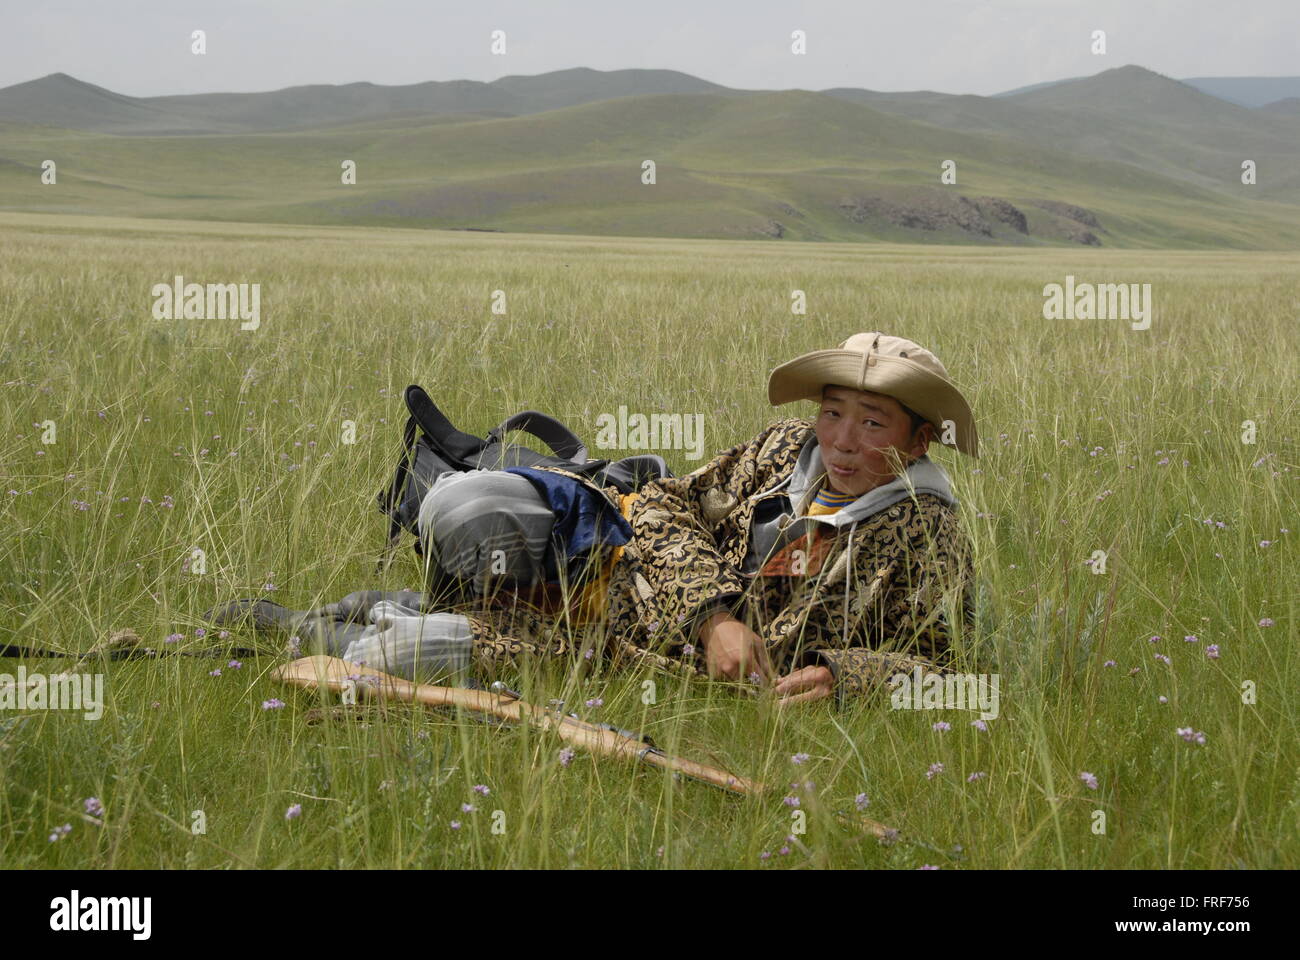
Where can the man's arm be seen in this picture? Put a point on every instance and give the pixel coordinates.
(674, 522)
(889, 616)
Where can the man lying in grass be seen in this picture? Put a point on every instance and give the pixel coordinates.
(819, 558)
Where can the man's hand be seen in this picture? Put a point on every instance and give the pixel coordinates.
(805, 684)
(733, 650)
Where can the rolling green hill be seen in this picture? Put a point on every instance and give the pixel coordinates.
(1289, 107)
(1248, 91)
(1126, 158)
(61, 100)
(1128, 114)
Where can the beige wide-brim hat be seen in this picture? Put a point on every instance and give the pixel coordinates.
(896, 367)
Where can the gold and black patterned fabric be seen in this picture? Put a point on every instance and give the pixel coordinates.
(867, 600)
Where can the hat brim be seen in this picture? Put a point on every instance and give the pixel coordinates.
(932, 396)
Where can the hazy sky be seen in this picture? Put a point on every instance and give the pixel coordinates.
(142, 47)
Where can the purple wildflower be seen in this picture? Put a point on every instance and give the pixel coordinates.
(800, 758)
(977, 775)
(861, 801)
(94, 807)
(174, 637)
(566, 756)
(1212, 651)
(234, 665)
(595, 702)
(1266, 622)
(455, 824)
(791, 801)
(935, 769)
(980, 725)
(1089, 780)
(200, 632)
(1191, 638)
(467, 808)
(1162, 658)
(481, 789)
(215, 673)
(941, 726)
(1190, 735)
(275, 703)
(1162, 699)
(294, 812)
(784, 851)
(1110, 663)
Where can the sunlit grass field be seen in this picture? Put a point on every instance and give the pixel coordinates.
(176, 435)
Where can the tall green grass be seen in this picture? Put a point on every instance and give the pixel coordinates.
(1076, 418)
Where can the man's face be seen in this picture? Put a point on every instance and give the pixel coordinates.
(865, 439)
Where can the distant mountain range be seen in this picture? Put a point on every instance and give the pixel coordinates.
(1243, 91)
(1123, 158)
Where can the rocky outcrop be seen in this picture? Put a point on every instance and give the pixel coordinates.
(936, 211)
(1069, 211)
(977, 216)
(1003, 212)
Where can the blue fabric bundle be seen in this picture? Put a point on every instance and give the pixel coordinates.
(583, 517)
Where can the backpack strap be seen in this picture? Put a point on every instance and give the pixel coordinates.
(388, 496)
(563, 441)
(455, 445)
(632, 473)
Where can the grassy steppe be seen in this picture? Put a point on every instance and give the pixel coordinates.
(1094, 437)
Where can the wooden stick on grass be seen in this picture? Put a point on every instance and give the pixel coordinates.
(332, 673)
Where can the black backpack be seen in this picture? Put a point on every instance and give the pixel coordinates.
(432, 446)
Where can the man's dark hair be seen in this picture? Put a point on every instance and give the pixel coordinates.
(915, 417)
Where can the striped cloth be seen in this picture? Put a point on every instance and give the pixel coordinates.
(829, 501)
(480, 525)
(405, 643)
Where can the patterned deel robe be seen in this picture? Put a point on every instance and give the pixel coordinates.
(867, 600)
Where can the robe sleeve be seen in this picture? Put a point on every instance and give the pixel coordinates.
(687, 577)
(894, 605)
